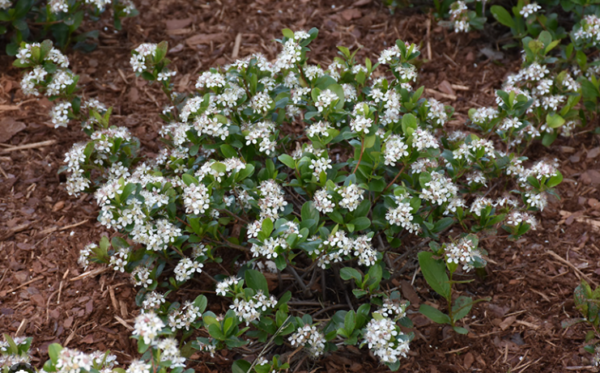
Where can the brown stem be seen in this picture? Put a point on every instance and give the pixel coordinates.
(362, 150)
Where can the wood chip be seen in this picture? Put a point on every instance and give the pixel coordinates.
(29, 146)
(236, 46)
(123, 322)
(206, 39)
(440, 94)
(90, 274)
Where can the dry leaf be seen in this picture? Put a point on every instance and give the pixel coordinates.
(10, 127)
(206, 38)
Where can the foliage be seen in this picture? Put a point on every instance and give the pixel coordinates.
(23, 20)
(374, 173)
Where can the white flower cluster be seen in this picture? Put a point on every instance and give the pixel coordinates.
(225, 286)
(209, 79)
(383, 338)
(320, 165)
(250, 310)
(260, 133)
(141, 276)
(515, 218)
(326, 98)
(58, 6)
(318, 129)
(5, 4)
(439, 190)
(152, 301)
(471, 151)
(393, 308)
(171, 352)
(184, 317)
(139, 58)
(437, 112)
(138, 366)
(459, 15)
(291, 53)
(119, 259)
(147, 326)
(70, 360)
(395, 149)
(402, 215)
(309, 336)
(529, 9)
(589, 30)
(352, 195)
(463, 252)
(196, 199)
(186, 268)
(7, 359)
(323, 201)
(339, 245)
(423, 139)
(84, 255)
(60, 114)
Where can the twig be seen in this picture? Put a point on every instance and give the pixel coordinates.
(25, 284)
(559, 258)
(90, 273)
(326, 309)
(29, 146)
(269, 343)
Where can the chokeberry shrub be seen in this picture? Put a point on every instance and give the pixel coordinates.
(22, 20)
(373, 177)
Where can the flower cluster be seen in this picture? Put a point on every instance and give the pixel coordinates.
(385, 339)
(310, 337)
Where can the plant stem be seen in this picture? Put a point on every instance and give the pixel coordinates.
(362, 150)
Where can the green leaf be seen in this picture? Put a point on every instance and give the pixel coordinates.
(460, 330)
(241, 366)
(434, 271)
(288, 161)
(462, 307)
(350, 321)
(502, 15)
(361, 223)
(554, 120)
(201, 302)
(288, 33)
(256, 281)
(347, 273)
(267, 227)
(219, 167)
(189, 179)
(434, 314)
(228, 151)
(54, 351)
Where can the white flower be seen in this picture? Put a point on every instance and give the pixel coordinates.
(60, 114)
(323, 201)
(320, 165)
(186, 268)
(318, 129)
(439, 190)
(210, 79)
(395, 149)
(463, 252)
(147, 325)
(529, 9)
(423, 139)
(261, 103)
(196, 199)
(352, 195)
(309, 336)
(384, 339)
(326, 99)
(361, 124)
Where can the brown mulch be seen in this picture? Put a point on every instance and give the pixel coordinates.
(42, 229)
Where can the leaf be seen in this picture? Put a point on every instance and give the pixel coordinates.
(502, 15)
(460, 330)
(361, 223)
(434, 315)
(54, 351)
(201, 302)
(267, 227)
(350, 321)
(189, 179)
(256, 281)
(288, 33)
(554, 120)
(462, 306)
(288, 161)
(347, 273)
(228, 151)
(434, 271)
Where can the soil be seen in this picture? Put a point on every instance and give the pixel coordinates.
(46, 295)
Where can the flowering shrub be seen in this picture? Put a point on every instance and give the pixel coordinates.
(26, 19)
(374, 173)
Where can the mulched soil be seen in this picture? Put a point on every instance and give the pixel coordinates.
(46, 295)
